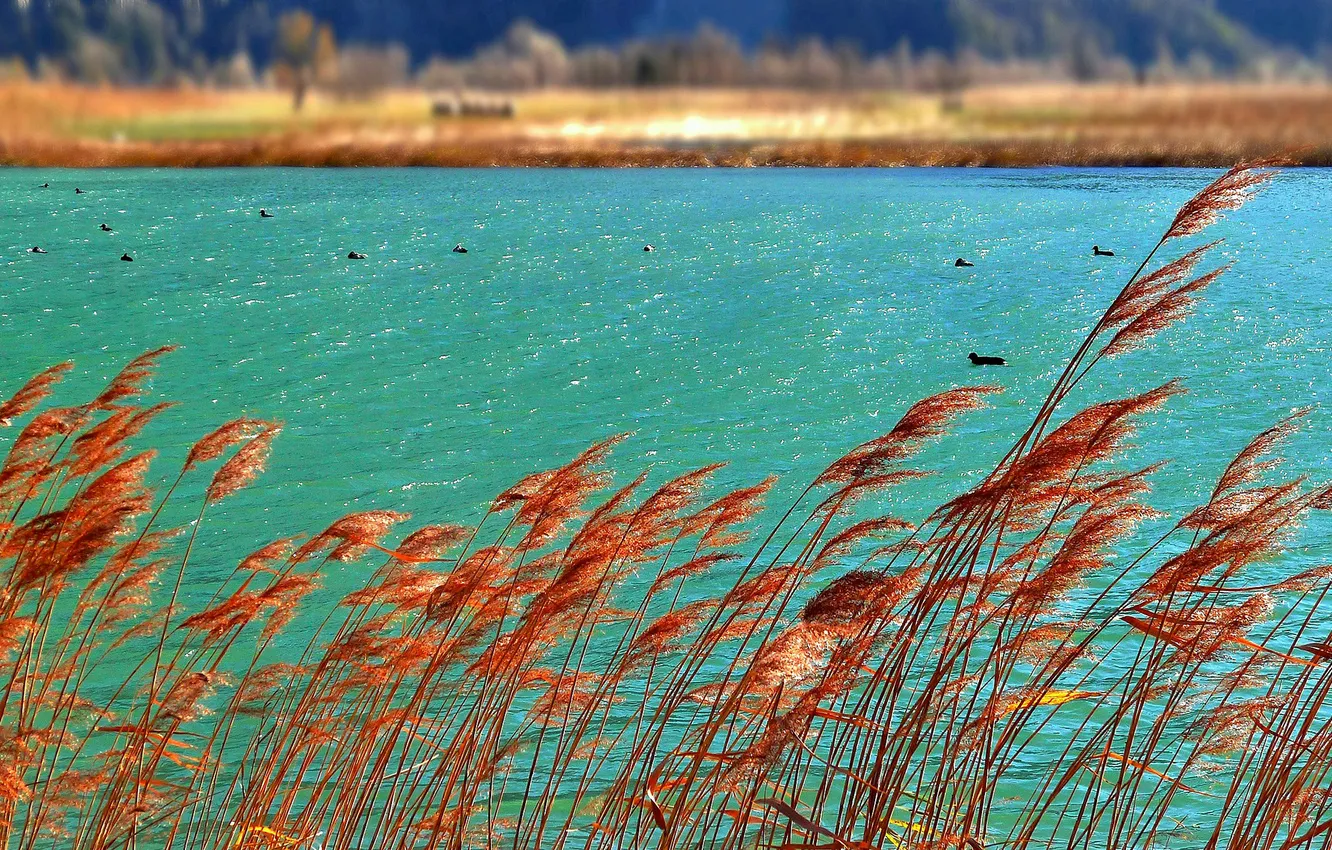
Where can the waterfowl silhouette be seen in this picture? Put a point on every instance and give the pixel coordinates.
(459, 249)
(36, 250)
(978, 360)
(104, 228)
(265, 214)
(648, 248)
(46, 186)
(1097, 252)
(127, 258)
(963, 264)
(355, 255)
(79, 191)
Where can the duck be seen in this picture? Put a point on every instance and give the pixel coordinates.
(79, 191)
(355, 255)
(648, 248)
(1097, 251)
(980, 360)
(36, 250)
(104, 228)
(265, 214)
(126, 258)
(459, 249)
(46, 186)
(963, 264)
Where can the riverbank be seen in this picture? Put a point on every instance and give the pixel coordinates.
(1104, 125)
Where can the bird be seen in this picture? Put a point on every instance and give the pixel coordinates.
(79, 191)
(104, 228)
(978, 360)
(648, 248)
(355, 255)
(459, 249)
(963, 264)
(36, 250)
(265, 214)
(126, 257)
(46, 186)
(1097, 252)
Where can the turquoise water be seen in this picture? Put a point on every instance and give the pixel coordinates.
(784, 317)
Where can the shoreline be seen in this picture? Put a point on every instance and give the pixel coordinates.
(303, 152)
(1202, 125)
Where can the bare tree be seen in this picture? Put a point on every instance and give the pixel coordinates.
(306, 53)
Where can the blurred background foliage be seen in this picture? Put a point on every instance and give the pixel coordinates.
(357, 45)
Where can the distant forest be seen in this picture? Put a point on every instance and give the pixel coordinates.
(155, 40)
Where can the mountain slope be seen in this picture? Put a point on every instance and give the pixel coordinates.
(151, 33)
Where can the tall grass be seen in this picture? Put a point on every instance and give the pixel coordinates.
(53, 125)
(1005, 672)
(1200, 148)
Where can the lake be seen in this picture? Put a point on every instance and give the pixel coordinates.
(782, 318)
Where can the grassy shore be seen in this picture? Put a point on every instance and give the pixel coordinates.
(1213, 124)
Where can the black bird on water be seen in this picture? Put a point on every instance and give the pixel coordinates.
(265, 214)
(648, 248)
(1097, 251)
(36, 250)
(978, 360)
(963, 264)
(126, 258)
(46, 186)
(459, 249)
(104, 228)
(79, 191)
(355, 255)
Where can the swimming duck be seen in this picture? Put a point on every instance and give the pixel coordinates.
(355, 255)
(963, 264)
(265, 214)
(1098, 252)
(979, 360)
(459, 249)
(104, 228)
(126, 258)
(36, 250)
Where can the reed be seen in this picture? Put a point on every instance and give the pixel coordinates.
(389, 149)
(1016, 669)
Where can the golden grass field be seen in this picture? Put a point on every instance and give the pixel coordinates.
(1194, 124)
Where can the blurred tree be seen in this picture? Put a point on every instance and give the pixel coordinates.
(96, 61)
(815, 66)
(596, 67)
(440, 73)
(525, 57)
(364, 72)
(1084, 59)
(236, 72)
(145, 40)
(714, 58)
(59, 25)
(305, 54)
